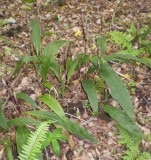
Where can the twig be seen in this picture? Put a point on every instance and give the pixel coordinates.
(47, 156)
(83, 32)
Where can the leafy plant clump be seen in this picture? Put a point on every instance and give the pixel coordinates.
(132, 145)
(128, 40)
(42, 137)
(45, 61)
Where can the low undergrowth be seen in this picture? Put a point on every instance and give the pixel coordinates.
(52, 122)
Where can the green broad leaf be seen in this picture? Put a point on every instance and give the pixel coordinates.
(123, 119)
(22, 121)
(52, 48)
(68, 125)
(90, 90)
(3, 122)
(47, 141)
(53, 104)
(36, 34)
(117, 89)
(52, 65)
(71, 69)
(68, 62)
(55, 147)
(27, 99)
(21, 62)
(48, 85)
(127, 56)
(49, 57)
(22, 134)
(101, 43)
(57, 134)
(8, 149)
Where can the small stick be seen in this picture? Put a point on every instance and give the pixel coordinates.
(84, 34)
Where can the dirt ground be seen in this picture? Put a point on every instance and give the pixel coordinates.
(78, 21)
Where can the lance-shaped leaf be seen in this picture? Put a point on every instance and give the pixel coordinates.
(53, 104)
(71, 69)
(101, 43)
(22, 61)
(8, 149)
(126, 55)
(3, 122)
(52, 48)
(21, 136)
(123, 119)
(117, 89)
(68, 125)
(90, 90)
(49, 57)
(56, 147)
(22, 121)
(27, 99)
(36, 34)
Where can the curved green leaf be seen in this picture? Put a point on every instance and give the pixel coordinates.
(21, 136)
(56, 147)
(36, 34)
(27, 99)
(49, 57)
(123, 119)
(90, 90)
(102, 44)
(68, 125)
(71, 69)
(8, 149)
(21, 62)
(22, 121)
(53, 104)
(117, 89)
(52, 48)
(3, 122)
(118, 56)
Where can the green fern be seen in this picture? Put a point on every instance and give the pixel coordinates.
(144, 156)
(33, 146)
(132, 143)
(123, 39)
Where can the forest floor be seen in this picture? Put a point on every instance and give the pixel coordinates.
(70, 22)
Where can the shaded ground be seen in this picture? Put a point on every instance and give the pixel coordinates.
(96, 18)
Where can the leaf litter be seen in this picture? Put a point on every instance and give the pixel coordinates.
(97, 18)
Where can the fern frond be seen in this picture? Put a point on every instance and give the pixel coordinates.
(135, 52)
(121, 38)
(128, 139)
(144, 156)
(132, 143)
(131, 154)
(33, 146)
